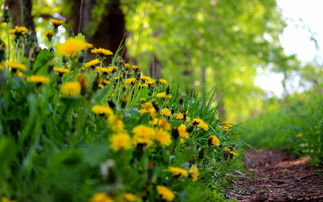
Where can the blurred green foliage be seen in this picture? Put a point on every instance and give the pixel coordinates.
(294, 123)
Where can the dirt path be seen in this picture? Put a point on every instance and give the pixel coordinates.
(275, 176)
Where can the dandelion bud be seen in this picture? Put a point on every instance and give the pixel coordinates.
(96, 82)
(111, 103)
(124, 101)
(167, 89)
(83, 83)
(181, 101)
(155, 106)
(175, 133)
(201, 154)
(190, 128)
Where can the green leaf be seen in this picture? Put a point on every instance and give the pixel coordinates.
(41, 63)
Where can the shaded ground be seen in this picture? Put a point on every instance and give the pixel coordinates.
(275, 176)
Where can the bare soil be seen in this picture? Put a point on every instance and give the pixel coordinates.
(275, 176)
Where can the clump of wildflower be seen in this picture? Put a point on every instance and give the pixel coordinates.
(165, 193)
(182, 131)
(71, 47)
(120, 141)
(101, 197)
(38, 79)
(163, 137)
(92, 63)
(143, 135)
(101, 110)
(177, 171)
(71, 88)
(194, 173)
(164, 95)
(166, 112)
(61, 70)
(201, 124)
(15, 65)
(20, 74)
(101, 51)
(214, 140)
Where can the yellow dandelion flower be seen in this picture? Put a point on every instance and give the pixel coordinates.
(147, 108)
(163, 81)
(39, 79)
(214, 140)
(61, 70)
(135, 67)
(163, 137)
(49, 33)
(233, 153)
(127, 65)
(20, 74)
(230, 152)
(19, 30)
(120, 141)
(89, 45)
(1, 67)
(130, 81)
(194, 173)
(116, 123)
(166, 112)
(92, 63)
(71, 88)
(101, 197)
(71, 47)
(179, 116)
(182, 131)
(177, 171)
(142, 99)
(15, 65)
(101, 110)
(299, 135)
(107, 69)
(165, 193)
(201, 124)
(131, 197)
(142, 84)
(163, 95)
(56, 22)
(101, 51)
(6, 199)
(106, 82)
(226, 126)
(143, 135)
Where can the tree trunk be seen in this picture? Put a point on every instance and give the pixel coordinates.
(20, 13)
(155, 67)
(111, 30)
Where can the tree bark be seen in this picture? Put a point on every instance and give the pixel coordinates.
(112, 27)
(20, 13)
(155, 67)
